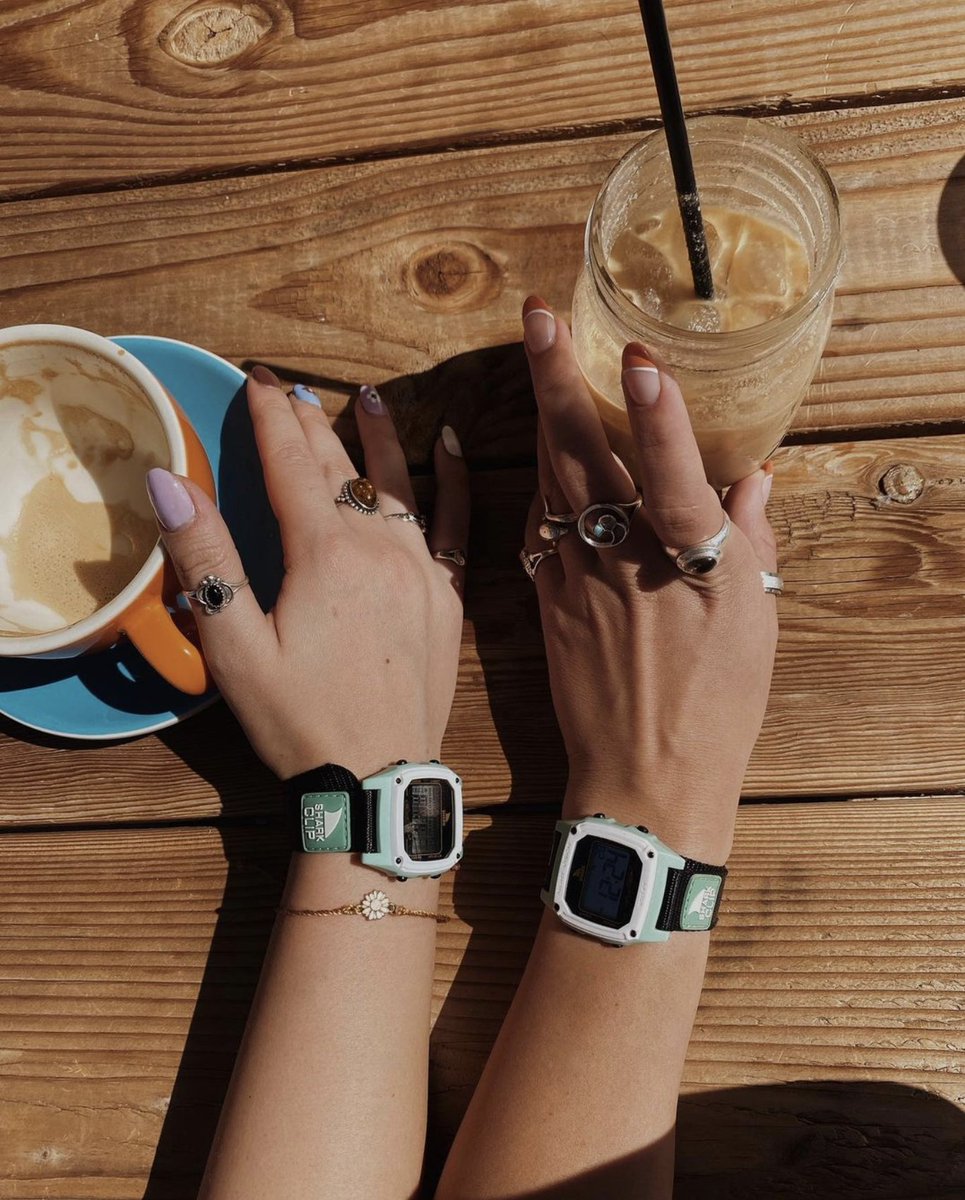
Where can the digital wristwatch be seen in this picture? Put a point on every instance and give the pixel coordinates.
(621, 884)
(405, 820)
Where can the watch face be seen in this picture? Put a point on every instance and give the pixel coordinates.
(428, 826)
(603, 882)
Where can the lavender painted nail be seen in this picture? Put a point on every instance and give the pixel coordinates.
(170, 500)
(372, 402)
(300, 392)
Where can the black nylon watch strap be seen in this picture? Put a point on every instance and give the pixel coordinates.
(363, 803)
(692, 899)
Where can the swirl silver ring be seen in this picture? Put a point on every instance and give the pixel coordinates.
(773, 583)
(415, 518)
(603, 526)
(531, 561)
(455, 555)
(214, 594)
(703, 556)
(359, 494)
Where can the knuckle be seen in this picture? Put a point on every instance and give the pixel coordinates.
(204, 554)
(680, 526)
(292, 455)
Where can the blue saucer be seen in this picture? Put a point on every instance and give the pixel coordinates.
(115, 694)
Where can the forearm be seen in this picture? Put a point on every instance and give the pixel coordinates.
(328, 1096)
(579, 1096)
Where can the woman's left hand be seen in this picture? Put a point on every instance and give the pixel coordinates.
(356, 664)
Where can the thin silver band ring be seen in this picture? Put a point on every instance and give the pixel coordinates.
(415, 518)
(455, 555)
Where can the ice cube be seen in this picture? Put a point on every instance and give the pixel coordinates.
(768, 262)
(635, 265)
(699, 316)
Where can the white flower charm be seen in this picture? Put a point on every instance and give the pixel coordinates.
(375, 906)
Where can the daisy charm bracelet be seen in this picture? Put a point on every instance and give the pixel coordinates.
(373, 907)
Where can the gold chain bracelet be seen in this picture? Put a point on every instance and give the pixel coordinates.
(373, 906)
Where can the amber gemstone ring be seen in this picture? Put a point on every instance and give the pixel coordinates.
(359, 494)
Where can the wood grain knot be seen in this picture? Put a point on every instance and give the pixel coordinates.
(453, 277)
(210, 35)
(902, 483)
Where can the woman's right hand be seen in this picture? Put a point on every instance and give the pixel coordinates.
(659, 679)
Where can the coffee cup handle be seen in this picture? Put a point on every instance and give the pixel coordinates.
(153, 631)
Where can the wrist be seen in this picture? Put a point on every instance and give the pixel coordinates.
(362, 761)
(696, 824)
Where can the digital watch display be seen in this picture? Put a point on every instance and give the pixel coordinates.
(621, 884)
(604, 881)
(427, 819)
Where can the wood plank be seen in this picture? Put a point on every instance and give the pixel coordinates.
(826, 1059)
(110, 91)
(866, 696)
(411, 273)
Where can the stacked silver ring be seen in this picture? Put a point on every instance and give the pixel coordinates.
(415, 518)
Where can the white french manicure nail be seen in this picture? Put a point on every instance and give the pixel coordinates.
(539, 330)
(451, 442)
(642, 384)
(766, 485)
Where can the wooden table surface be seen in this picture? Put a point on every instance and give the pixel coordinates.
(359, 192)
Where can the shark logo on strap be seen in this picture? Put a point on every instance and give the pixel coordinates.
(320, 825)
(702, 904)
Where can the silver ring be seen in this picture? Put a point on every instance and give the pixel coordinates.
(215, 594)
(773, 583)
(359, 494)
(415, 518)
(605, 525)
(704, 556)
(532, 561)
(551, 530)
(555, 525)
(455, 555)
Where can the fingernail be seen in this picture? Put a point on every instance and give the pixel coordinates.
(539, 325)
(264, 375)
(170, 499)
(767, 483)
(300, 392)
(451, 442)
(371, 401)
(640, 377)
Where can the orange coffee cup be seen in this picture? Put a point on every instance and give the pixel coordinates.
(81, 422)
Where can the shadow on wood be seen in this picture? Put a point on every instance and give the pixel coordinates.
(485, 395)
(951, 220)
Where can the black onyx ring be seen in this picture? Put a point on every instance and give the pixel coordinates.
(604, 525)
(214, 593)
(359, 494)
(704, 556)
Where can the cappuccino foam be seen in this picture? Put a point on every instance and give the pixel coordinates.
(77, 435)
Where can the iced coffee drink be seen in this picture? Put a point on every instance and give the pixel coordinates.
(744, 359)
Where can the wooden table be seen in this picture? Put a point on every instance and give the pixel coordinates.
(365, 192)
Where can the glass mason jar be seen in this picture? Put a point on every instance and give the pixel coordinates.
(742, 388)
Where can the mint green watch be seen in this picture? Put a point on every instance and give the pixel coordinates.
(621, 884)
(405, 821)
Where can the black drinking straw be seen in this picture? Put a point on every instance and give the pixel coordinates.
(668, 93)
